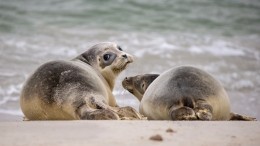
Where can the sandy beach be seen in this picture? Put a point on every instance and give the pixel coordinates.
(220, 37)
(111, 133)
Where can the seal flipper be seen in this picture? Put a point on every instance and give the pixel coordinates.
(128, 113)
(238, 117)
(97, 110)
(94, 110)
(182, 113)
(124, 113)
(86, 112)
(99, 114)
(203, 110)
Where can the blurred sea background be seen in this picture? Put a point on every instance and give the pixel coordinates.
(219, 36)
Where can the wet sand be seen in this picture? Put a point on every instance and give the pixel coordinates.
(97, 133)
(10, 118)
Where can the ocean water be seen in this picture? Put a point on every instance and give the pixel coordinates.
(219, 36)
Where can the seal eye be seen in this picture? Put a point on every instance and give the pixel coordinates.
(106, 57)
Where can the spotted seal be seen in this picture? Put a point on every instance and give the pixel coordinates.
(80, 88)
(181, 93)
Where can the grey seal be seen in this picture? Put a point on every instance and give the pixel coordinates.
(80, 88)
(181, 93)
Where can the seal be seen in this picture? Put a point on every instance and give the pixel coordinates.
(181, 93)
(80, 88)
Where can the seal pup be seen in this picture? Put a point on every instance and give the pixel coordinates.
(80, 88)
(182, 93)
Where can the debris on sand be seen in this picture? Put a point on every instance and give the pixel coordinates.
(156, 137)
(170, 130)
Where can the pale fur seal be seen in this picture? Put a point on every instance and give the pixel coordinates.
(181, 93)
(78, 89)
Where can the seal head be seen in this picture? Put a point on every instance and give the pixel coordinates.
(108, 59)
(137, 85)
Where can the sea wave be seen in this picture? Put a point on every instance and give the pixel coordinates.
(218, 48)
(165, 44)
(11, 112)
(159, 34)
(10, 93)
(38, 49)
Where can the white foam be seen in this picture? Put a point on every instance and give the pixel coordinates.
(139, 53)
(242, 84)
(12, 112)
(118, 92)
(65, 52)
(9, 98)
(165, 44)
(17, 44)
(40, 49)
(195, 49)
(147, 44)
(11, 93)
(8, 74)
(156, 47)
(4, 100)
(218, 48)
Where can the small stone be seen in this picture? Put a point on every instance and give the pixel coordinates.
(156, 137)
(170, 130)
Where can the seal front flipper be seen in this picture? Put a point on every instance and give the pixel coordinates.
(203, 110)
(95, 110)
(182, 113)
(128, 113)
(99, 114)
(238, 117)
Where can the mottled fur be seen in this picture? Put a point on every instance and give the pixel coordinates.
(77, 89)
(181, 93)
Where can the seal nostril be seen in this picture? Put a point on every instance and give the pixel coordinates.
(125, 56)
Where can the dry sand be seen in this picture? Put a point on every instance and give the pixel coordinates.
(132, 133)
